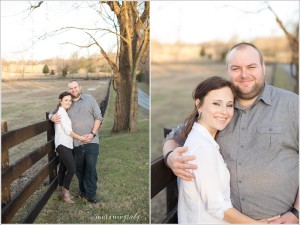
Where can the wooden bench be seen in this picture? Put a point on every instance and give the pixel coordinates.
(162, 177)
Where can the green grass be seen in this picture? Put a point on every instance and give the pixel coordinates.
(123, 185)
(283, 80)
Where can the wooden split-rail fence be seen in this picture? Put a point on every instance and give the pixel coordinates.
(163, 178)
(11, 204)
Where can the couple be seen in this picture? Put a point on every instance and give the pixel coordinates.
(259, 147)
(77, 116)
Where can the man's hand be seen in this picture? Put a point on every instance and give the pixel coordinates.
(267, 220)
(55, 118)
(179, 164)
(84, 139)
(88, 138)
(287, 217)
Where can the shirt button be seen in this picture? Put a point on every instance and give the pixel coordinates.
(240, 163)
(242, 146)
(242, 199)
(240, 181)
(243, 128)
(270, 129)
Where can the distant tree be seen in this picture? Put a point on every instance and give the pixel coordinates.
(64, 71)
(202, 52)
(45, 69)
(223, 55)
(90, 65)
(52, 72)
(74, 63)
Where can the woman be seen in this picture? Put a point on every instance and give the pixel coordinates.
(64, 145)
(206, 199)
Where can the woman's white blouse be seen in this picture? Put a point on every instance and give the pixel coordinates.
(63, 130)
(206, 198)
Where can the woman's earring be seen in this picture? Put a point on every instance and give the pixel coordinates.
(199, 116)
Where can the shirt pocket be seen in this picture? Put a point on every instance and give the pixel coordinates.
(270, 138)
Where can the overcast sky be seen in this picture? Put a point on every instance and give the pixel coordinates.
(171, 21)
(199, 21)
(21, 29)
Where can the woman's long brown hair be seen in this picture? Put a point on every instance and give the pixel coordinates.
(212, 83)
(60, 97)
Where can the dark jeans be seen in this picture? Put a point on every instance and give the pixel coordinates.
(67, 167)
(86, 160)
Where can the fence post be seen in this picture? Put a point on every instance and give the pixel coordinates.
(3, 126)
(172, 190)
(4, 164)
(52, 154)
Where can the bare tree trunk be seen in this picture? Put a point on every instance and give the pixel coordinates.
(132, 46)
(122, 104)
(134, 107)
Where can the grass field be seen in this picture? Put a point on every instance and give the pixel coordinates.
(123, 164)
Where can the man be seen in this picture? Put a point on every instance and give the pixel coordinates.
(259, 146)
(86, 118)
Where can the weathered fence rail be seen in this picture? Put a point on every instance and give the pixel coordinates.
(10, 205)
(162, 177)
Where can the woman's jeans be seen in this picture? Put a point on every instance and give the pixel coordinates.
(66, 166)
(86, 160)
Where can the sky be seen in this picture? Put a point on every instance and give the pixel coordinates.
(171, 21)
(21, 30)
(200, 21)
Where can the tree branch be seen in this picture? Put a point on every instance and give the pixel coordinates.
(33, 7)
(145, 14)
(80, 46)
(64, 29)
(129, 38)
(141, 22)
(143, 47)
(243, 10)
(114, 6)
(279, 22)
(110, 62)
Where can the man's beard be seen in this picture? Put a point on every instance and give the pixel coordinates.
(76, 96)
(254, 92)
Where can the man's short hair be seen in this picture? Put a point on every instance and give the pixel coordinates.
(241, 46)
(73, 81)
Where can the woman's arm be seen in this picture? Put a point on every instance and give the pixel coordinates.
(79, 137)
(232, 215)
